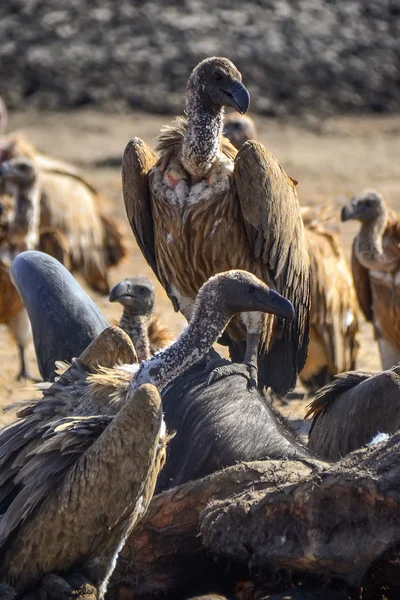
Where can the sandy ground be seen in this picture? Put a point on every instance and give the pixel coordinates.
(331, 160)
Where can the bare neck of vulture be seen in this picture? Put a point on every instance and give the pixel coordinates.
(206, 325)
(136, 326)
(24, 227)
(202, 140)
(369, 245)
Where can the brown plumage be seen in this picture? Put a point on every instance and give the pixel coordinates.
(19, 215)
(72, 206)
(333, 344)
(376, 269)
(78, 470)
(199, 209)
(239, 128)
(349, 412)
(71, 470)
(137, 295)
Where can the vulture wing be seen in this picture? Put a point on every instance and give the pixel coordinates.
(334, 308)
(137, 161)
(52, 433)
(270, 209)
(362, 285)
(351, 410)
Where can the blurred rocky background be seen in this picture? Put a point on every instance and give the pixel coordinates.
(297, 56)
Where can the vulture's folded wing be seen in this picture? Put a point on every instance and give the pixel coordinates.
(362, 285)
(52, 433)
(334, 308)
(137, 161)
(270, 209)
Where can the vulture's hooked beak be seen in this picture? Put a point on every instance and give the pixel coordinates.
(348, 212)
(239, 97)
(121, 290)
(275, 304)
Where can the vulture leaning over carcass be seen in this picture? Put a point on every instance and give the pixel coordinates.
(349, 412)
(55, 514)
(333, 344)
(72, 206)
(200, 208)
(19, 224)
(375, 264)
(137, 295)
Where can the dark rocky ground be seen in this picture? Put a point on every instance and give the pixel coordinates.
(296, 56)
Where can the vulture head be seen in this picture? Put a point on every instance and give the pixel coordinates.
(366, 207)
(20, 171)
(218, 80)
(136, 293)
(239, 291)
(239, 128)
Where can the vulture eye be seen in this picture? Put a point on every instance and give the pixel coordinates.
(218, 76)
(1, 209)
(251, 289)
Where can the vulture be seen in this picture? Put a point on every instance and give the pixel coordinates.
(19, 215)
(350, 411)
(333, 346)
(334, 317)
(89, 241)
(375, 265)
(239, 128)
(60, 469)
(77, 472)
(137, 295)
(199, 208)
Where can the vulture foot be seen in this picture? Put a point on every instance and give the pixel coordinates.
(248, 370)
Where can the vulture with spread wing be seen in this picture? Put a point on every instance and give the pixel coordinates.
(333, 344)
(88, 240)
(375, 265)
(199, 208)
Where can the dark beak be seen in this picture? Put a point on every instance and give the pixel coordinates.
(239, 97)
(121, 289)
(348, 212)
(275, 304)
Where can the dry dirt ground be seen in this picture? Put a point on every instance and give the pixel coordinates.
(331, 160)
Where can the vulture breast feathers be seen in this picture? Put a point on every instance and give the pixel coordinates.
(242, 214)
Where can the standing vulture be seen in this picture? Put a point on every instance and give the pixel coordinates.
(19, 216)
(349, 412)
(72, 206)
(137, 295)
(333, 344)
(200, 208)
(375, 264)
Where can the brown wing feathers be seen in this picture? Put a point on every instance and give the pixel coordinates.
(270, 209)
